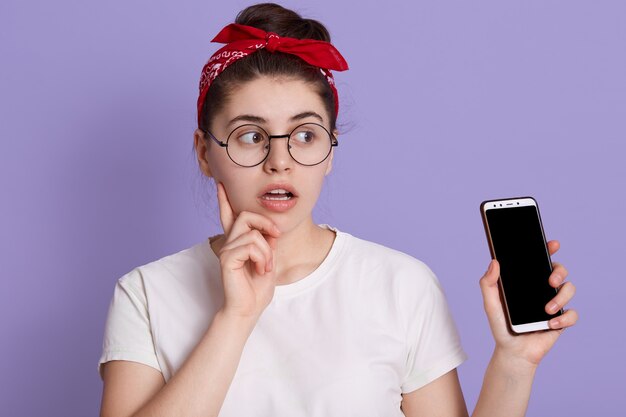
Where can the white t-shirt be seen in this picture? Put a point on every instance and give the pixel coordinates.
(369, 324)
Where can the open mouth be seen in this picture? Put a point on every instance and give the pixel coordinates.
(277, 195)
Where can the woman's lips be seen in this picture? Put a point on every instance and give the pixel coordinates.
(279, 194)
(276, 204)
(278, 198)
(278, 188)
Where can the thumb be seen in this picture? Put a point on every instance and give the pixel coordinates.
(489, 288)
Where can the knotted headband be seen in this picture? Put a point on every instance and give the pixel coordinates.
(243, 40)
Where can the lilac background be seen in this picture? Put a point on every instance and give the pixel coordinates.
(446, 104)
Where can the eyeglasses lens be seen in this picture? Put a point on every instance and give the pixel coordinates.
(308, 144)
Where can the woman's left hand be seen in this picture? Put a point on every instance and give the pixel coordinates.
(530, 347)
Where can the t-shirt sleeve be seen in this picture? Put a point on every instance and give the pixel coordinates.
(434, 343)
(127, 334)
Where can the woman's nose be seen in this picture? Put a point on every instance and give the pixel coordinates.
(279, 158)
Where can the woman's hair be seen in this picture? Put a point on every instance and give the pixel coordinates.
(270, 17)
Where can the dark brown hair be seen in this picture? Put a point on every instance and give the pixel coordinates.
(270, 17)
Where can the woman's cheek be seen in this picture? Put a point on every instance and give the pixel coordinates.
(240, 196)
(317, 182)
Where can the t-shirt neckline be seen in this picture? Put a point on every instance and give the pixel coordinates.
(311, 280)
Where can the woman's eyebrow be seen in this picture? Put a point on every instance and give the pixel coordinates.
(247, 118)
(306, 114)
(257, 119)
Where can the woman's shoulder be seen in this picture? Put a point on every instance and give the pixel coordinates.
(182, 265)
(385, 260)
(376, 252)
(384, 272)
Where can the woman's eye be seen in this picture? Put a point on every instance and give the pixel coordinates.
(251, 138)
(304, 136)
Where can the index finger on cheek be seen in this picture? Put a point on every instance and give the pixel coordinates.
(227, 216)
(255, 221)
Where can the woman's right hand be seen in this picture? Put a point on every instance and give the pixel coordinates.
(246, 260)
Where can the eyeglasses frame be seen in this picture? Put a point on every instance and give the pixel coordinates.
(331, 137)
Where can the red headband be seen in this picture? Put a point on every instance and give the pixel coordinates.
(243, 40)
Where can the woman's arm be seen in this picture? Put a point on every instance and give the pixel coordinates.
(128, 386)
(505, 392)
(509, 376)
(199, 387)
(441, 397)
(506, 387)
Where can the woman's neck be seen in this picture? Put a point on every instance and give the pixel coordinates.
(298, 251)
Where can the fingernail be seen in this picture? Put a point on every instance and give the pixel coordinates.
(271, 264)
(554, 323)
(558, 279)
(490, 268)
(553, 307)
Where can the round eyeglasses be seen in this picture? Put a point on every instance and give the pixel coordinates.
(249, 145)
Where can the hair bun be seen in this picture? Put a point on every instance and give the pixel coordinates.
(272, 17)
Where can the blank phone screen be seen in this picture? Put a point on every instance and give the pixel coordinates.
(524, 262)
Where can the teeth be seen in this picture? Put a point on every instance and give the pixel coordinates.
(278, 194)
(282, 197)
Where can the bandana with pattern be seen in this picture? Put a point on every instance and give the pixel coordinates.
(243, 40)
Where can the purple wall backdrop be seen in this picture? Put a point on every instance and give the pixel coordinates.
(446, 104)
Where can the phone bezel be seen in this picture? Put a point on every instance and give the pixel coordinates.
(512, 203)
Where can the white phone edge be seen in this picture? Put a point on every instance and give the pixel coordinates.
(507, 203)
(530, 327)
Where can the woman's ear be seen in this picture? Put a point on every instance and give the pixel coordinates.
(200, 144)
(329, 167)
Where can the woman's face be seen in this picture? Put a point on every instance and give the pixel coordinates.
(278, 105)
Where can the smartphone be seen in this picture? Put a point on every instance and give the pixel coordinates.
(517, 241)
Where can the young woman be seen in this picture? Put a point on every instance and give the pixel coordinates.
(279, 316)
